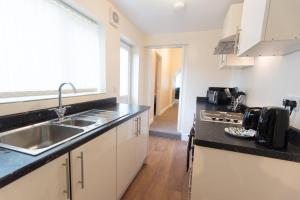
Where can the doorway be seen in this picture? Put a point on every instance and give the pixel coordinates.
(167, 64)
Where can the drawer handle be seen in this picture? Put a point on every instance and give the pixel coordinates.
(67, 191)
(81, 182)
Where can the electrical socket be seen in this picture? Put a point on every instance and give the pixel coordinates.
(295, 98)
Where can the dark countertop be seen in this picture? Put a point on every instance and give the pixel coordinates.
(14, 165)
(211, 134)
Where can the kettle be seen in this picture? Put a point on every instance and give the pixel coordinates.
(251, 117)
(273, 127)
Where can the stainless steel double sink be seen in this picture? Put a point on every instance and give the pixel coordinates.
(41, 137)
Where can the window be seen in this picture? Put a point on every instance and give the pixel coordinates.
(45, 43)
(125, 63)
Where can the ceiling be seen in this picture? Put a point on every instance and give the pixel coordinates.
(159, 16)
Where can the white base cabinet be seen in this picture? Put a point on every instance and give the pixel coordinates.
(221, 175)
(126, 143)
(48, 182)
(132, 150)
(101, 169)
(93, 168)
(142, 143)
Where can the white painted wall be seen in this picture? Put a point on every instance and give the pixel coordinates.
(199, 72)
(271, 80)
(100, 9)
(176, 65)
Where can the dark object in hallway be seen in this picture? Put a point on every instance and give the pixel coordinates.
(177, 93)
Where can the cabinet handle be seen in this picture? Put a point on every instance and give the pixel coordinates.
(81, 182)
(140, 119)
(137, 126)
(67, 191)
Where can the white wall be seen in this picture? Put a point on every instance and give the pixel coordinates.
(200, 69)
(100, 9)
(176, 65)
(271, 80)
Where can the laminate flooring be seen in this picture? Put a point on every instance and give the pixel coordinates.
(164, 175)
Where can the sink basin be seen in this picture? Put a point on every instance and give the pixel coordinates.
(77, 122)
(37, 139)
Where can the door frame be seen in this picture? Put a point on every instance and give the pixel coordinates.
(183, 87)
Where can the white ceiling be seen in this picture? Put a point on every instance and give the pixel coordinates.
(159, 16)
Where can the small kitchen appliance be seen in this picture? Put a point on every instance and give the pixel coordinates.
(273, 126)
(251, 118)
(218, 96)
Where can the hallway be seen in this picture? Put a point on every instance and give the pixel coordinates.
(164, 176)
(165, 125)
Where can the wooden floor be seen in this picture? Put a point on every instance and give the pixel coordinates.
(164, 176)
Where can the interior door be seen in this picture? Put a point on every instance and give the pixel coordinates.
(157, 83)
(93, 168)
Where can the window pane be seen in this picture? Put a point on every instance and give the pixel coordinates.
(45, 43)
(124, 71)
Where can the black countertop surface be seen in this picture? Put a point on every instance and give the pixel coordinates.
(211, 134)
(14, 165)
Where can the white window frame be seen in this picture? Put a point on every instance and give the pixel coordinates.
(27, 96)
(128, 47)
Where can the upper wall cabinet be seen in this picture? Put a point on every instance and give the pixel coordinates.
(232, 22)
(230, 37)
(269, 28)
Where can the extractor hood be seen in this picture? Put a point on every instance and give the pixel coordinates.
(225, 47)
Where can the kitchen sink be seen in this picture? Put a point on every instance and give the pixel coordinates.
(41, 137)
(38, 138)
(77, 122)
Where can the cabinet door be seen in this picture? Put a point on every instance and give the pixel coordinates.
(93, 169)
(281, 15)
(243, 177)
(253, 26)
(48, 182)
(126, 134)
(142, 140)
(232, 22)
